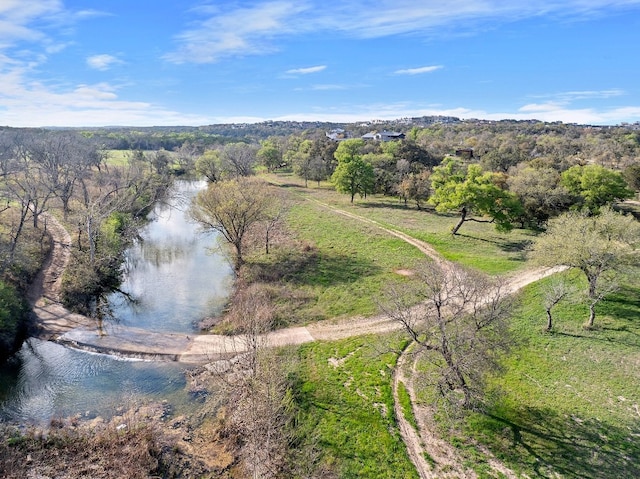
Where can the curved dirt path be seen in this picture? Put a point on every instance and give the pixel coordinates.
(421, 443)
(44, 293)
(58, 324)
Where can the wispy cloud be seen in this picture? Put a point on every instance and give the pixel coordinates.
(243, 31)
(102, 62)
(16, 17)
(328, 87)
(254, 29)
(419, 70)
(378, 18)
(306, 71)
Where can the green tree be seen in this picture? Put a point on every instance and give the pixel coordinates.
(270, 154)
(539, 191)
(598, 245)
(595, 185)
(208, 165)
(632, 175)
(301, 160)
(468, 190)
(353, 175)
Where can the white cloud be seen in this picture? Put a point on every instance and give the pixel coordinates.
(592, 94)
(391, 111)
(251, 30)
(378, 18)
(17, 15)
(102, 62)
(32, 104)
(306, 71)
(419, 70)
(243, 31)
(328, 86)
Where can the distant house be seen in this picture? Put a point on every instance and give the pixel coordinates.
(466, 153)
(384, 135)
(338, 134)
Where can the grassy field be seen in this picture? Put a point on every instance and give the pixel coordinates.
(354, 263)
(344, 393)
(121, 157)
(568, 405)
(118, 157)
(477, 245)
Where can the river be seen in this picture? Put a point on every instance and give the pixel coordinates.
(175, 280)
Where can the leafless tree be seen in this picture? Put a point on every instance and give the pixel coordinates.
(25, 191)
(259, 404)
(238, 159)
(63, 159)
(186, 156)
(555, 292)
(460, 324)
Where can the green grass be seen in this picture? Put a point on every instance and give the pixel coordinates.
(569, 401)
(346, 402)
(353, 264)
(118, 157)
(407, 408)
(478, 245)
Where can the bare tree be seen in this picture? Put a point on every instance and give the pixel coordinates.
(460, 325)
(274, 215)
(26, 191)
(258, 400)
(238, 159)
(232, 208)
(186, 155)
(555, 292)
(62, 159)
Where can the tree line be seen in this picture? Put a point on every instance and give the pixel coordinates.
(68, 175)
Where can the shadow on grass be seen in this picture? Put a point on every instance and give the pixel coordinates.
(313, 268)
(569, 446)
(395, 205)
(617, 320)
(519, 246)
(624, 304)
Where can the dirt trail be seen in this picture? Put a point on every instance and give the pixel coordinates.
(44, 293)
(445, 462)
(57, 323)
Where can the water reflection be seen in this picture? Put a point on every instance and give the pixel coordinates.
(171, 273)
(175, 282)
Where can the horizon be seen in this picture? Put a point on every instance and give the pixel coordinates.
(149, 64)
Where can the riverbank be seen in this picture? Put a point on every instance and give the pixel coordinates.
(56, 323)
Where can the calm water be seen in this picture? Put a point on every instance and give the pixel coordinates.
(172, 274)
(174, 279)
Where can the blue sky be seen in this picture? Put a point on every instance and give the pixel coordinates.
(190, 62)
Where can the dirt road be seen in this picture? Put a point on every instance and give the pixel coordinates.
(58, 324)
